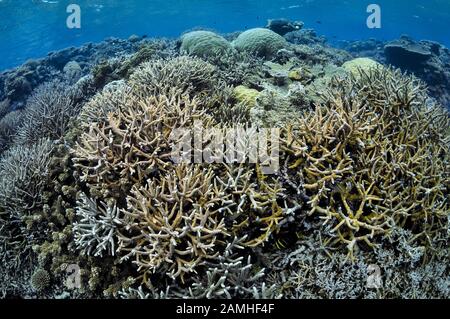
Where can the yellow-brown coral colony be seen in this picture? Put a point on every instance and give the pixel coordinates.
(372, 157)
(364, 161)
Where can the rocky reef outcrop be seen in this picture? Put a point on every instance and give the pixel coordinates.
(428, 60)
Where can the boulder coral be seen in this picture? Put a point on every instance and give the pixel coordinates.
(245, 95)
(260, 42)
(204, 44)
(366, 64)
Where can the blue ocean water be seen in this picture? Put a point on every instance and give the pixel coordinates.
(32, 28)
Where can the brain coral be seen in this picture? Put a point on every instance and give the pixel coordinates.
(364, 64)
(261, 42)
(204, 44)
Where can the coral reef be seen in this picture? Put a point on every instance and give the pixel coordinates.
(312, 271)
(17, 84)
(425, 59)
(99, 198)
(261, 42)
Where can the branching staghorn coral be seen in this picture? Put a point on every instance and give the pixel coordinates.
(177, 215)
(182, 76)
(232, 114)
(132, 144)
(94, 233)
(345, 164)
(23, 170)
(311, 269)
(176, 76)
(252, 202)
(373, 156)
(230, 275)
(105, 102)
(48, 112)
(4, 107)
(238, 68)
(8, 127)
(173, 222)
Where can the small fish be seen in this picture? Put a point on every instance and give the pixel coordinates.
(416, 16)
(319, 22)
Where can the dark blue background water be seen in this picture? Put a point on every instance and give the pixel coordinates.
(32, 28)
